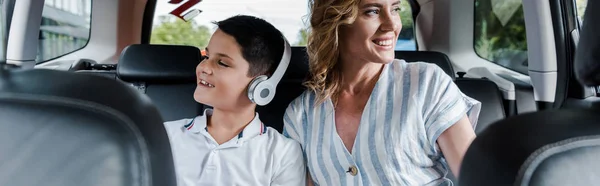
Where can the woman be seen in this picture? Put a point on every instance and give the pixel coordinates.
(368, 119)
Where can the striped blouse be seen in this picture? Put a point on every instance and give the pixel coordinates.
(410, 106)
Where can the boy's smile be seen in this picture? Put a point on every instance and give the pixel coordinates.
(204, 83)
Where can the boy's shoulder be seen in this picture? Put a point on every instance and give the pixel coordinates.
(284, 151)
(179, 126)
(178, 122)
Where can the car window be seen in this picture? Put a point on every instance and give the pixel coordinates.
(289, 16)
(499, 34)
(581, 4)
(65, 28)
(406, 40)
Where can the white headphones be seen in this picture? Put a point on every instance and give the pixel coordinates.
(262, 88)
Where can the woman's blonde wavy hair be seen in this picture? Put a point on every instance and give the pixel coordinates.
(326, 18)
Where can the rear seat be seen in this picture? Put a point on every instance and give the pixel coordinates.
(166, 73)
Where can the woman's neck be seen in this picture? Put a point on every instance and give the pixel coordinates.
(359, 76)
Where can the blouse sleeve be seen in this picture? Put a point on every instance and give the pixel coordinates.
(445, 104)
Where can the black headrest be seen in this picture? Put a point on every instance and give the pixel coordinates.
(66, 128)
(298, 68)
(587, 57)
(159, 63)
(438, 58)
(557, 147)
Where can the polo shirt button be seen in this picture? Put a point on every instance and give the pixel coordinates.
(353, 170)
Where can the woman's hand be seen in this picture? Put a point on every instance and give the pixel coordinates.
(455, 141)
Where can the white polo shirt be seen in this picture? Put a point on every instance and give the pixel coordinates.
(259, 155)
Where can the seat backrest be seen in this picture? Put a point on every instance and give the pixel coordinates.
(558, 147)
(587, 66)
(488, 93)
(166, 73)
(67, 129)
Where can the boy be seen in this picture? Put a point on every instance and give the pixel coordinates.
(229, 145)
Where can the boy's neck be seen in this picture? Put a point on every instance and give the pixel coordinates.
(223, 125)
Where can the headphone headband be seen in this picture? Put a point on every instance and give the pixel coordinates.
(283, 64)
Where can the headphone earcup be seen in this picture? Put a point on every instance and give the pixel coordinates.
(254, 86)
(262, 88)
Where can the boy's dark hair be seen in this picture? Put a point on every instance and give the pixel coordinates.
(261, 42)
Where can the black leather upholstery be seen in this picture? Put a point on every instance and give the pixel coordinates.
(562, 168)
(174, 101)
(59, 129)
(158, 64)
(298, 68)
(587, 66)
(488, 93)
(437, 58)
(558, 147)
(167, 74)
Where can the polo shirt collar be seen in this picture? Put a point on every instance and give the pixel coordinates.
(254, 128)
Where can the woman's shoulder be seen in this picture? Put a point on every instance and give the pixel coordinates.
(421, 69)
(419, 66)
(306, 98)
(295, 115)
